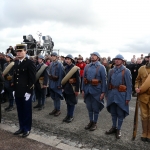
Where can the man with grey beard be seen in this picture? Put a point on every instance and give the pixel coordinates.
(142, 87)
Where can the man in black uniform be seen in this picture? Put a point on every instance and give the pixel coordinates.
(71, 88)
(23, 84)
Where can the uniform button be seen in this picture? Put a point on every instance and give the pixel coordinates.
(17, 82)
(18, 69)
(17, 74)
(17, 78)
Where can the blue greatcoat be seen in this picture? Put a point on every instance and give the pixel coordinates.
(56, 69)
(113, 95)
(95, 91)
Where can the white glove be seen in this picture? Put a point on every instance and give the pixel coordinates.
(27, 96)
(2, 91)
(13, 94)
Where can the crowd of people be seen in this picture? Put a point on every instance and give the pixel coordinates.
(33, 78)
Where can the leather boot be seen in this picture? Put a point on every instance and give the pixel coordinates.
(118, 134)
(41, 107)
(53, 112)
(111, 131)
(145, 130)
(89, 125)
(10, 108)
(148, 135)
(93, 127)
(7, 108)
(70, 119)
(65, 119)
(57, 113)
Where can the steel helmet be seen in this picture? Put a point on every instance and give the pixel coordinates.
(96, 53)
(119, 56)
(69, 56)
(54, 54)
(148, 55)
(10, 55)
(41, 57)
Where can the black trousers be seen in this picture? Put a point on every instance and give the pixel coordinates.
(24, 109)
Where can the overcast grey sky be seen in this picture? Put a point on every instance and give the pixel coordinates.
(80, 26)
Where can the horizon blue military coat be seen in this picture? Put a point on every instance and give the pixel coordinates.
(56, 69)
(95, 91)
(113, 95)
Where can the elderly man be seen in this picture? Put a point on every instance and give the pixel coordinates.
(142, 87)
(118, 95)
(93, 89)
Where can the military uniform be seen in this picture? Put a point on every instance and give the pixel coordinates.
(116, 99)
(1, 88)
(81, 65)
(7, 85)
(93, 92)
(56, 73)
(23, 85)
(70, 87)
(144, 100)
(41, 81)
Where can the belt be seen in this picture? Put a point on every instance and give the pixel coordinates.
(114, 87)
(90, 82)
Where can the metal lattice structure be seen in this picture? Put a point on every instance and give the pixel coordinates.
(34, 47)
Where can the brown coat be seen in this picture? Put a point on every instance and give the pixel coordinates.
(142, 75)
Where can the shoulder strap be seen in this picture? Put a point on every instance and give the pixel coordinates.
(97, 69)
(86, 69)
(111, 72)
(123, 72)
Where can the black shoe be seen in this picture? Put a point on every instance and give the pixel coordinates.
(65, 119)
(37, 106)
(48, 95)
(18, 132)
(111, 131)
(70, 119)
(25, 134)
(148, 140)
(41, 107)
(10, 108)
(3, 101)
(7, 108)
(144, 139)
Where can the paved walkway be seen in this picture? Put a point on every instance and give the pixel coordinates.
(74, 134)
(8, 141)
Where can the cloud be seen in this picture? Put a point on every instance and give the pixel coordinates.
(79, 27)
(18, 13)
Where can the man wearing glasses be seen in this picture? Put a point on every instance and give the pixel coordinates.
(23, 85)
